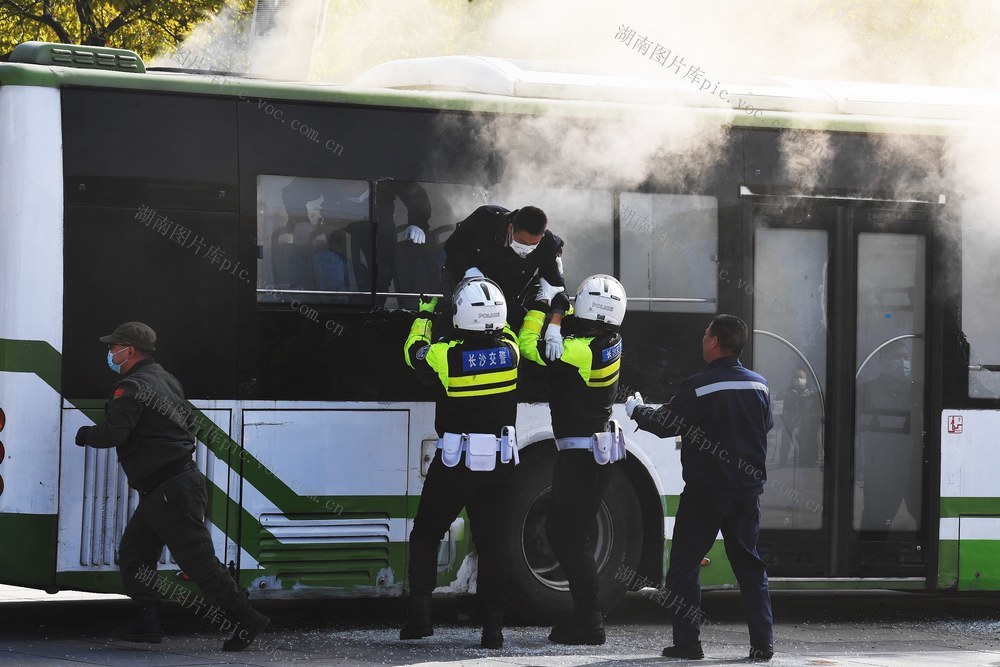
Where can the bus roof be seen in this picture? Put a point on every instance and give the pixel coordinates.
(481, 84)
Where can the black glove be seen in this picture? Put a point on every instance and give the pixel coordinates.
(81, 436)
(560, 303)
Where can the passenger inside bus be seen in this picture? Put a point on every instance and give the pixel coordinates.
(890, 444)
(800, 421)
(326, 244)
(314, 250)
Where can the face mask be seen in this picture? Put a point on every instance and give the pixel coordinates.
(900, 367)
(522, 250)
(117, 368)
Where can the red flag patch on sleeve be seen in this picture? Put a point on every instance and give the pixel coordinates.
(118, 392)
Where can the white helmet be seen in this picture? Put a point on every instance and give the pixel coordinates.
(600, 298)
(479, 305)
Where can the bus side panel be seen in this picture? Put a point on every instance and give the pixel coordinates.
(970, 505)
(324, 492)
(31, 292)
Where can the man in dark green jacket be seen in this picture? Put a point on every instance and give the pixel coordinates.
(146, 420)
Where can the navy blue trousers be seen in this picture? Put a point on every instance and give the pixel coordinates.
(698, 521)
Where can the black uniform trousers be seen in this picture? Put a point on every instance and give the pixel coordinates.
(173, 513)
(578, 484)
(699, 518)
(484, 496)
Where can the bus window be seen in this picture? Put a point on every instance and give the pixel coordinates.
(314, 238)
(669, 246)
(981, 296)
(582, 218)
(406, 268)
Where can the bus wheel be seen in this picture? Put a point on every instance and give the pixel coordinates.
(538, 591)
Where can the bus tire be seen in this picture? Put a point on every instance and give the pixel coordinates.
(537, 589)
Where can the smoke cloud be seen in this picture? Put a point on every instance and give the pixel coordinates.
(919, 42)
(927, 42)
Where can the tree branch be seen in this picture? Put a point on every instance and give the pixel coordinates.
(159, 24)
(123, 16)
(45, 18)
(88, 29)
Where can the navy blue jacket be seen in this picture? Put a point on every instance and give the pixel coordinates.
(723, 414)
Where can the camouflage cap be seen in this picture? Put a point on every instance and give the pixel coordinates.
(133, 333)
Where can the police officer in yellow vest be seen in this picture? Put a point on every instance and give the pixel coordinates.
(475, 371)
(583, 354)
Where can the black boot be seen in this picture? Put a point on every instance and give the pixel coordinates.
(587, 630)
(418, 623)
(145, 627)
(250, 623)
(492, 627)
(688, 651)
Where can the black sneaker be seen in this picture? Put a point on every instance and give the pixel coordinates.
(145, 627)
(689, 651)
(761, 653)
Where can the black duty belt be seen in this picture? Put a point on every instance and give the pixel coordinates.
(172, 469)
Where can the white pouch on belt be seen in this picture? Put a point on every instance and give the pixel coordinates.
(603, 445)
(609, 446)
(451, 449)
(618, 449)
(508, 445)
(482, 452)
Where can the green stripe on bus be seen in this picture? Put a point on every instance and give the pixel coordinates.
(670, 505)
(978, 567)
(96, 582)
(364, 565)
(233, 520)
(947, 564)
(28, 556)
(956, 507)
(32, 356)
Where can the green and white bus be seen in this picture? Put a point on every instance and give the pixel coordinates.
(258, 227)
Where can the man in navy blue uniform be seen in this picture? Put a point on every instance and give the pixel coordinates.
(723, 414)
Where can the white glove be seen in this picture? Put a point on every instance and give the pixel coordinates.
(553, 342)
(360, 199)
(632, 402)
(547, 291)
(415, 234)
(473, 272)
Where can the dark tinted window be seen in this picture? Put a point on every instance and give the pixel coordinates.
(151, 234)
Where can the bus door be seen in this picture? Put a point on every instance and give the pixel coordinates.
(840, 312)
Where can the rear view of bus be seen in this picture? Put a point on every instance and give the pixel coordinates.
(31, 302)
